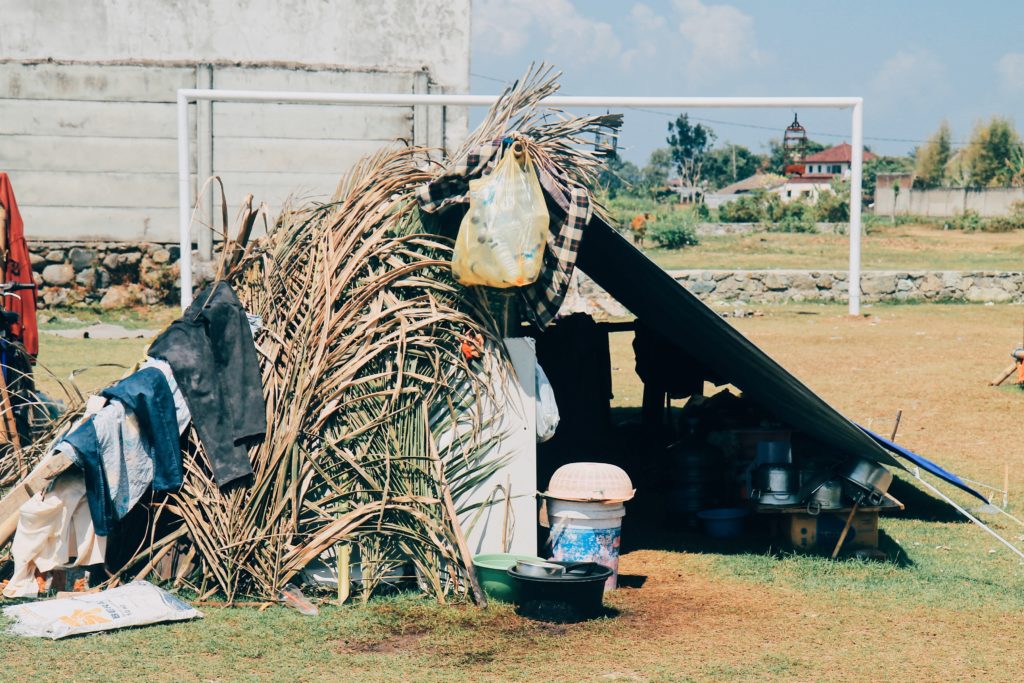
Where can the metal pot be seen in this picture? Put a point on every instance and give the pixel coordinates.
(828, 496)
(775, 479)
(777, 498)
(869, 481)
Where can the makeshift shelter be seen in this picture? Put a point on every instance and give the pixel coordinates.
(395, 406)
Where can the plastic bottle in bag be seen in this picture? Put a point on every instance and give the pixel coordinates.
(501, 239)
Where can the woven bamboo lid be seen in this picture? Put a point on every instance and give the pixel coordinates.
(590, 481)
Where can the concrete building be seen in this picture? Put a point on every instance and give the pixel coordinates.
(832, 161)
(87, 91)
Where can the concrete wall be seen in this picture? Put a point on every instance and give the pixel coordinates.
(946, 202)
(87, 115)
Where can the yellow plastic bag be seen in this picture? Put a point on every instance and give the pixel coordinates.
(501, 239)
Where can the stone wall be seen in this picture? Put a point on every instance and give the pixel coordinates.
(108, 274)
(779, 286)
(119, 274)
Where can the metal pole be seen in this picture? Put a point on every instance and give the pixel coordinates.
(204, 159)
(969, 516)
(184, 203)
(856, 175)
(186, 95)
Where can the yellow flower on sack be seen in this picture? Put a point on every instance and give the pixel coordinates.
(85, 617)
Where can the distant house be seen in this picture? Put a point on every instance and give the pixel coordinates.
(820, 169)
(759, 181)
(805, 187)
(832, 161)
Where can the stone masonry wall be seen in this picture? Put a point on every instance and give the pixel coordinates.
(108, 274)
(118, 275)
(778, 286)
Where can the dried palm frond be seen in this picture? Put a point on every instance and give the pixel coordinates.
(375, 417)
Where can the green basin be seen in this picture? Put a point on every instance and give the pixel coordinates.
(492, 572)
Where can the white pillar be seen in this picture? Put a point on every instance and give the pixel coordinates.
(856, 175)
(204, 158)
(184, 203)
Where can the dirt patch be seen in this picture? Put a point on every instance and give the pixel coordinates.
(392, 645)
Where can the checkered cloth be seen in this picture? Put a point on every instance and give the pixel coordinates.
(569, 206)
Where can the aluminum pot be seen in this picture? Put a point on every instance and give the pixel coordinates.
(776, 479)
(828, 496)
(869, 480)
(783, 499)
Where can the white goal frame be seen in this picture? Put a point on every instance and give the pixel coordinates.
(187, 95)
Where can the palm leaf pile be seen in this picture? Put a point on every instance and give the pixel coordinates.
(375, 431)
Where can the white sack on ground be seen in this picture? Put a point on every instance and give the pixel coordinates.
(135, 604)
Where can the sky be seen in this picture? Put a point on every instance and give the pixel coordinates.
(915, 62)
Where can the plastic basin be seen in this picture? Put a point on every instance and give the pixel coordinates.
(723, 522)
(576, 595)
(492, 572)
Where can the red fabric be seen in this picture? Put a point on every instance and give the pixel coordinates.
(19, 269)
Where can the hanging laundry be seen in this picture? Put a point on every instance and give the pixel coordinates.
(213, 358)
(117, 462)
(180, 407)
(18, 268)
(146, 394)
(53, 528)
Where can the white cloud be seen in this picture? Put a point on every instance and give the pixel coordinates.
(647, 27)
(718, 39)
(504, 27)
(909, 76)
(1010, 69)
(693, 41)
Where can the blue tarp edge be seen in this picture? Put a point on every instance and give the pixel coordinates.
(924, 463)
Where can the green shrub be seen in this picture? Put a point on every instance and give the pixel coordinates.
(747, 209)
(968, 221)
(793, 216)
(674, 229)
(832, 207)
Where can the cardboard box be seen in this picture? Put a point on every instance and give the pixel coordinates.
(821, 532)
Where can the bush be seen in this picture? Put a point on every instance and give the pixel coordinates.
(793, 216)
(968, 221)
(674, 229)
(832, 207)
(747, 209)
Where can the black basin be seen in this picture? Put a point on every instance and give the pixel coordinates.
(575, 596)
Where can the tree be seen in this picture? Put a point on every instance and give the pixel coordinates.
(987, 158)
(872, 167)
(727, 164)
(777, 160)
(655, 174)
(933, 158)
(689, 145)
(619, 176)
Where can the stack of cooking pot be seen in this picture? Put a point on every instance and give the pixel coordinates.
(865, 482)
(776, 484)
(775, 481)
(828, 495)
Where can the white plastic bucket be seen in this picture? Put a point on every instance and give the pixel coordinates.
(587, 532)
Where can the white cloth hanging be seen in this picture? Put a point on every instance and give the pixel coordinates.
(53, 528)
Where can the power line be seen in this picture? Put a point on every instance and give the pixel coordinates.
(737, 124)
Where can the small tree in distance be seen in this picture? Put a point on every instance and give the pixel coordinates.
(689, 145)
(933, 158)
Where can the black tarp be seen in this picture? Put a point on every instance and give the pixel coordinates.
(654, 296)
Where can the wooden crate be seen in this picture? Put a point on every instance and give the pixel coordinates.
(821, 531)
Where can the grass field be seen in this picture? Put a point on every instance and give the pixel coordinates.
(903, 247)
(950, 606)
